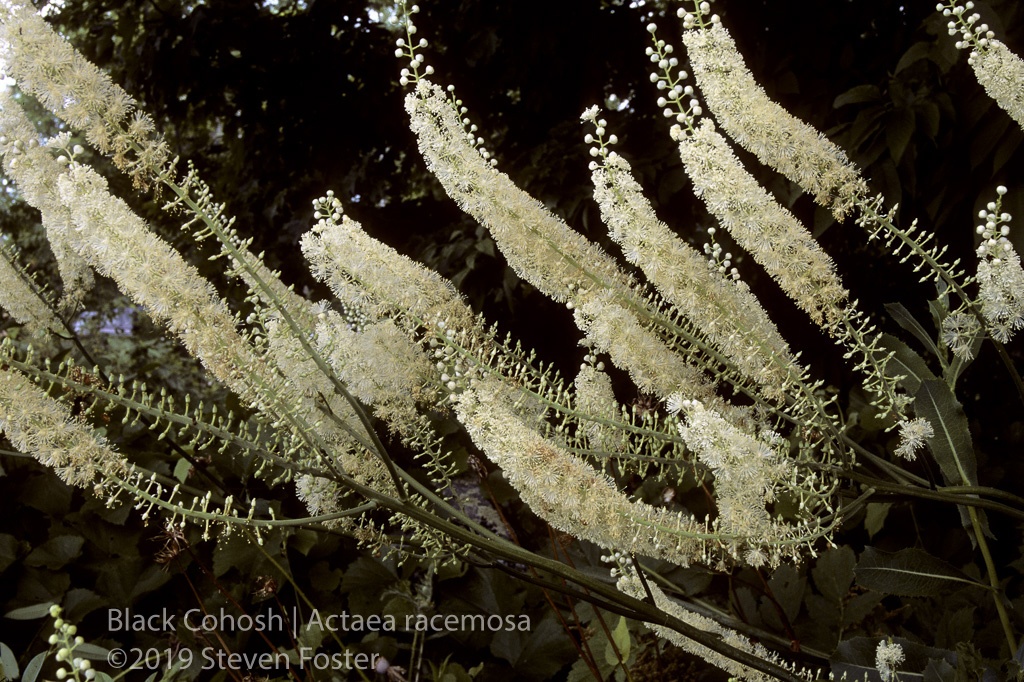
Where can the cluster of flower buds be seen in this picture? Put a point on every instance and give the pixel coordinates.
(716, 259)
(327, 207)
(700, 17)
(678, 100)
(598, 139)
(995, 230)
(66, 640)
(975, 36)
(407, 47)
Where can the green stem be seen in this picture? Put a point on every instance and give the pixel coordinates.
(993, 579)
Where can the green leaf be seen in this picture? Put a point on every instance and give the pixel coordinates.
(860, 606)
(34, 667)
(56, 552)
(182, 469)
(908, 573)
(915, 53)
(939, 670)
(303, 540)
(8, 662)
(535, 655)
(620, 636)
(833, 573)
(8, 551)
(30, 612)
(903, 318)
(898, 132)
(951, 445)
(874, 517)
(91, 651)
(787, 586)
(906, 363)
(856, 95)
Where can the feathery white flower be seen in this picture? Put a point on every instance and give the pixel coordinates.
(653, 367)
(369, 274)
(34, 169)
(760, 225)
(66, 83)
(567, 492)
(723, 309)
(595, 397)
(539, 246)
(379, 364)
(24, 304)
(42, 427)
(747, 473)
(629, 583)
(959, 332)
(1000, 277)
(1001, 294)
(777, 138)
(888, 656)
(913, 435)
(1001, 73)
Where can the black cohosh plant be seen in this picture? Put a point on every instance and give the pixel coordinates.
(399, 353)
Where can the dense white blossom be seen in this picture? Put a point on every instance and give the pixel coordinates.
(566, 491)
(629, 582)
(1001, 73)
(35, 170)
(770, 233)
(888, 656)
(776, 137)
(42, 427)
(70, 86)
(913, 435)
(543, 250)
(724, 309)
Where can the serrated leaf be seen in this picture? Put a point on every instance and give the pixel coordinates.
(537, 654)
(903, 318)
(303, 540)
(8, 662)
(235, 551)
(951, 445)
(34, 667)
(906, 363)
(859, 607)
(874, 517)
(833, 573)
(938, 670)
(909, 573)
(312, 635)
(787, 586)
(56, 552)
(30, 612)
